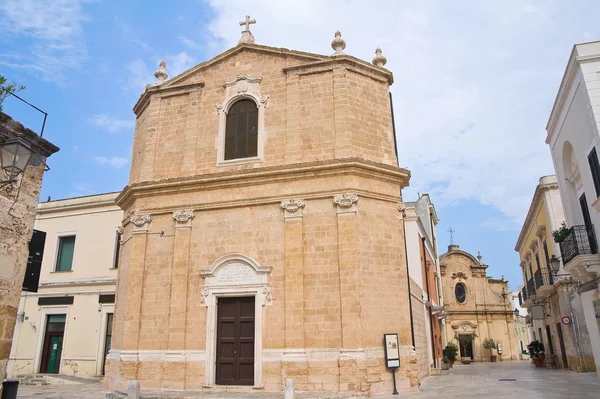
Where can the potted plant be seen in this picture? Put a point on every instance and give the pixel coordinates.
(490, 344)
(536, 353)
(445, 363)
(451, 352)
(560, 234)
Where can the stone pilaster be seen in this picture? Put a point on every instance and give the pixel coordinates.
(294, 273)
(347, 206)
(135, 281)
(174, 361)
(293, 151)
(294, 356)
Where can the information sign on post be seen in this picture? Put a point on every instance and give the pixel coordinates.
(392, 355)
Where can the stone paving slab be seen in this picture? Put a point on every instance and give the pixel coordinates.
(475, 381)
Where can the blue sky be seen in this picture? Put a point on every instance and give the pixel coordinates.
(474, 86)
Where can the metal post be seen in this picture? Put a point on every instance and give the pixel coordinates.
(394, 379)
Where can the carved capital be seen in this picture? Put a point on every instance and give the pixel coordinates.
(292, 208)
(140, 222)
(346, 202)
(401, 210)
(183, 218)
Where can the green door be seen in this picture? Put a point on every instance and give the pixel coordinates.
(52, 366)
(53, 342)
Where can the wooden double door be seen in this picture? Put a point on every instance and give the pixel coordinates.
(235, 341)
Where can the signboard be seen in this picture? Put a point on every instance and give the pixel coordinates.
(392, 351)
(566, 320)
(537, 312)
(499, 348)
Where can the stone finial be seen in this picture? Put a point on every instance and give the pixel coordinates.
(479, 257)
(247, 36)
(338, 44)
(161, 74)
(379, 59)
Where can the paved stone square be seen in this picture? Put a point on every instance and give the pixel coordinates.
(477, 380)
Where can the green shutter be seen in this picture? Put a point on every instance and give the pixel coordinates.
(66, 247)
(595, 169)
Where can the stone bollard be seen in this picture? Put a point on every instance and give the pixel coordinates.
(290, 393)
(133, 390)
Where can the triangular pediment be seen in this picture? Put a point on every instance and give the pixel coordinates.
(300, 56)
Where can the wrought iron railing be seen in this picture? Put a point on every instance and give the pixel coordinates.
(543, 277)
(523, 294)
(581, 240)
(530, 288)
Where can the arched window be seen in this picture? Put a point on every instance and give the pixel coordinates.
(241, 132)
(460, 292)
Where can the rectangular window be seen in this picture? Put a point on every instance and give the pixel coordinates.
(595, 169)
(117, 249)
(66, 248)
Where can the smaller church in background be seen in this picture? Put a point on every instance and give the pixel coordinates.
(478, 307)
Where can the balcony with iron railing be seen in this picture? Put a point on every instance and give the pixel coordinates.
(581, 240)
(527, 292)
(544, 283)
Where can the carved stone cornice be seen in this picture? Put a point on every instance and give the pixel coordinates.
(183, 218)
(259, 176)
(293, 208)
(459, 275)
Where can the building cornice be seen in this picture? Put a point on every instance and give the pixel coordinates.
(537, 201)
(78, 282)
(257, 176)
(566, 83)
(78, 203)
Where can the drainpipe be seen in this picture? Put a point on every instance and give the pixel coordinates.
(429, 299)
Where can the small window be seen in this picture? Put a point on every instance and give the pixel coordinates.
(117, 249)
(241, 130)
(66, 248)
(595, 169)
(460, 292)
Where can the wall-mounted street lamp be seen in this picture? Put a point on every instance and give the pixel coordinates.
(555, 268)
(15, 155)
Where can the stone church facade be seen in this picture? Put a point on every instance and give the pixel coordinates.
(262, 237)
(478, 307)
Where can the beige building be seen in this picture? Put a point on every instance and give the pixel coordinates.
(478, 307)
(65, 327)
(522, 328)
(550, 297)
(262, 238)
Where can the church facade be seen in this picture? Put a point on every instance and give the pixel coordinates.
(262, 238)
(478, 307)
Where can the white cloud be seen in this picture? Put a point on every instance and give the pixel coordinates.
(189, 43)
(55, 26)
(474, 82)
(142, 44)
(179, 63)
(113, 162)
(112, 124)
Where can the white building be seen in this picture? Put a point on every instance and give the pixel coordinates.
(574, 142)
(65, 327)
(423, 268)
(522, 330)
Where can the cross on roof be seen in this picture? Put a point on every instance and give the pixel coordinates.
(451, 235)
(247, 22)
